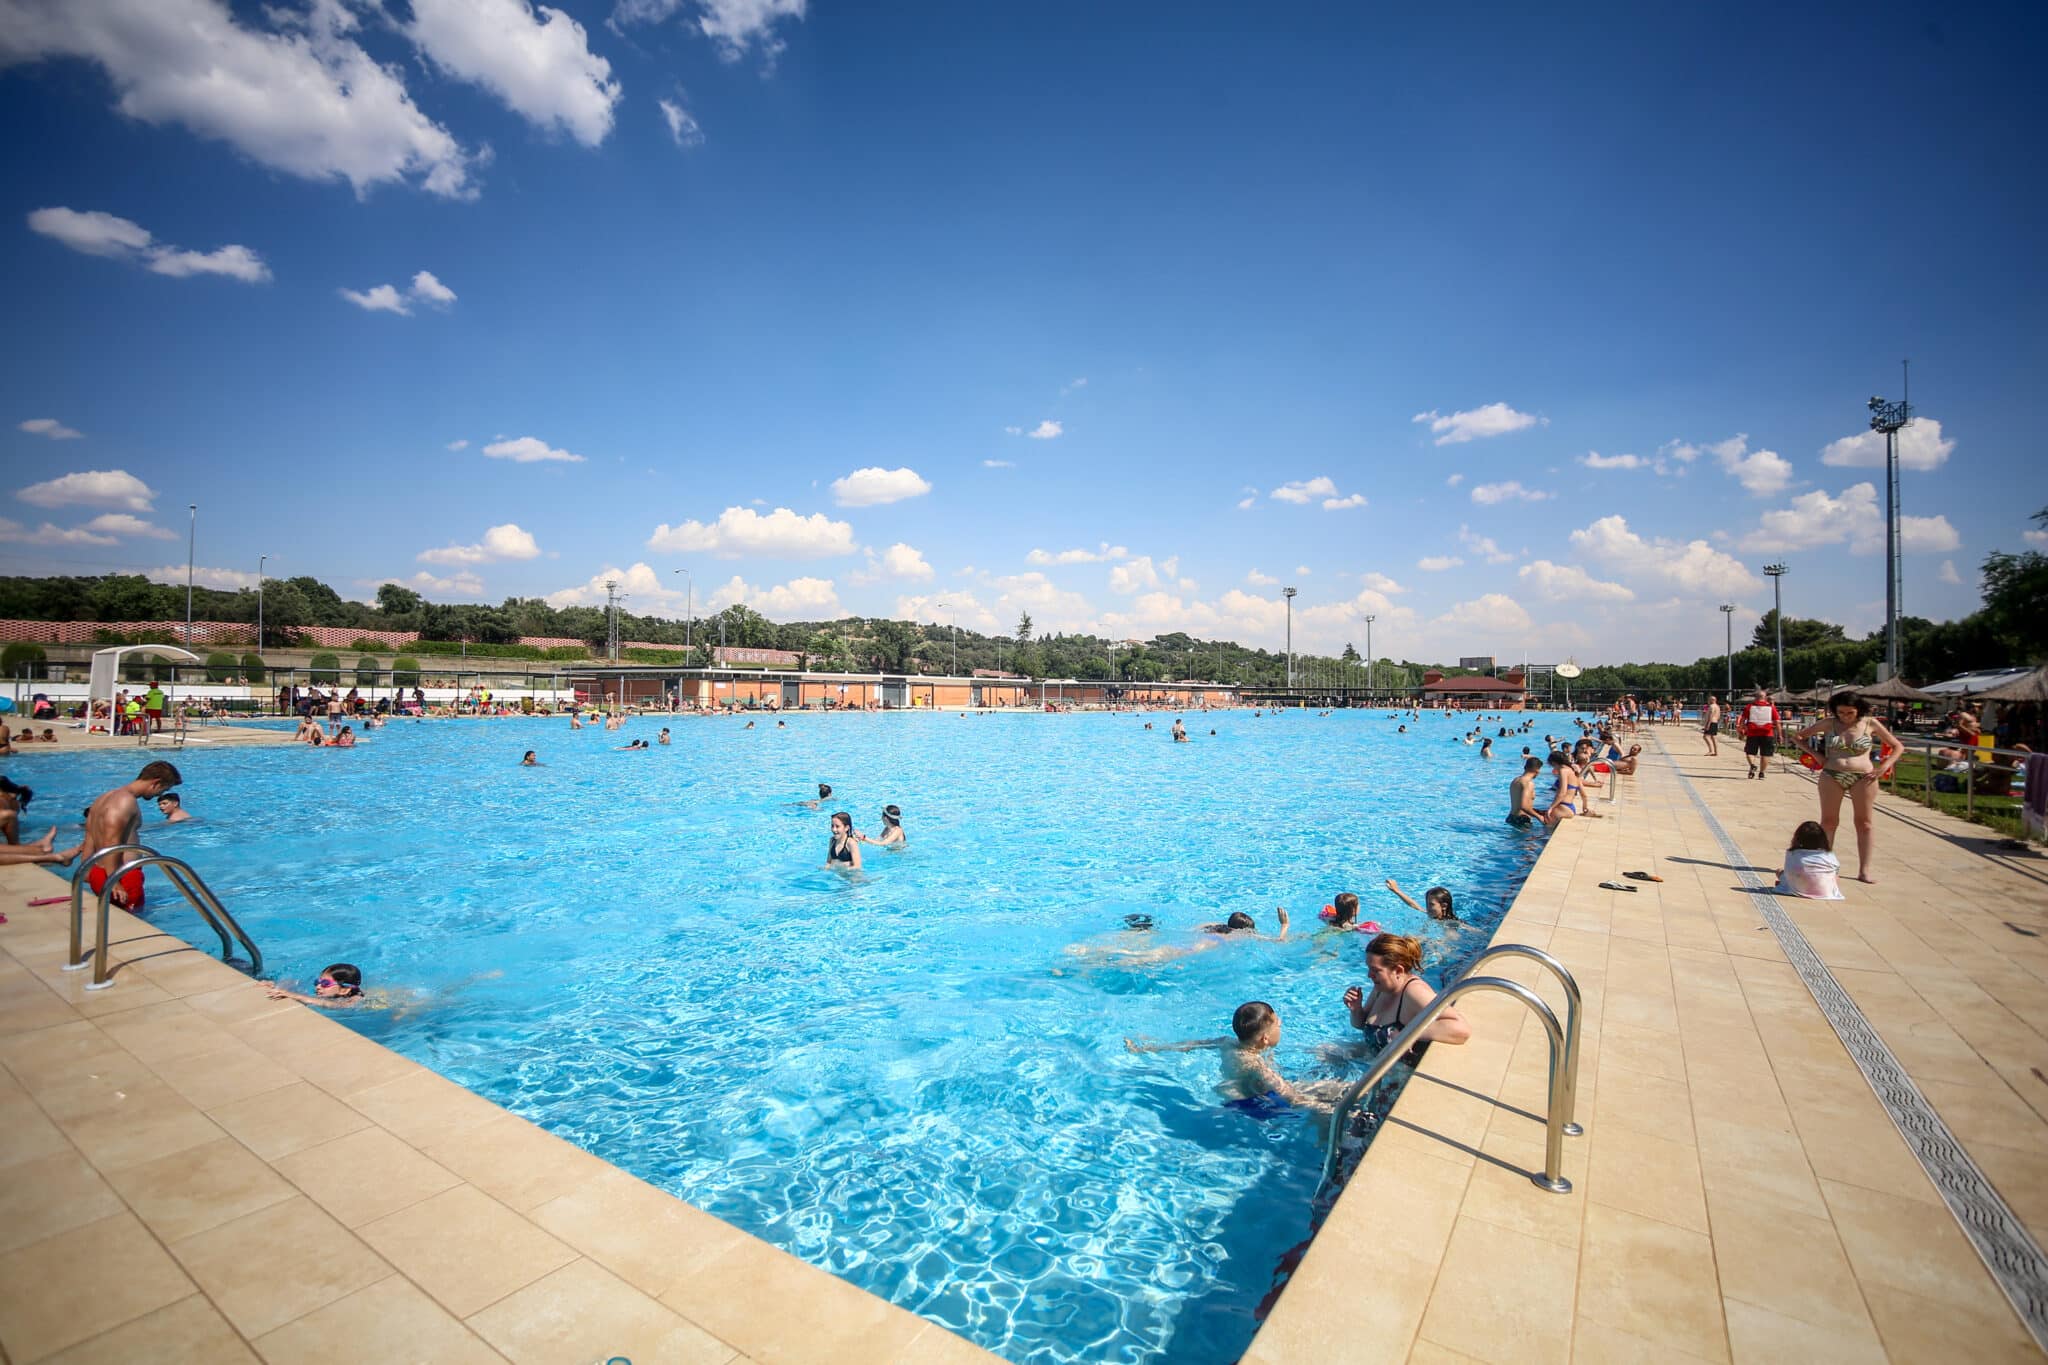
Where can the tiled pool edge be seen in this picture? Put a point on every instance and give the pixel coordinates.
(515, 1238)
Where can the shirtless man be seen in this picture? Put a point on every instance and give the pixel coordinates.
(1180, 732)
(1710, 726)
(114, 818)
(1522, 809)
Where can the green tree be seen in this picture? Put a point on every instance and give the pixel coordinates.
(1799, 633)
(285, 613)
(220, 666)
(405, 671)
(368, 672)
(129, 597)
(1023, 627)
(21, 659)
(395, 599)
(1350, 655)
(252, 668)
(326, 668)
(2015, 587)
(895, 643)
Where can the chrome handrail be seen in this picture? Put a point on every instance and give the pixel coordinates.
(190, 885)
(1573, 1012)
(1552, 1176)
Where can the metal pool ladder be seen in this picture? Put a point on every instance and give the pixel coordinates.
(1558, 1121)
(190, 885)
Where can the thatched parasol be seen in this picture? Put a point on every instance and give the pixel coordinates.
(2028, 687)
(1891, 689)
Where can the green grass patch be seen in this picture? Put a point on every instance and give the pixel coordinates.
(2001, 813)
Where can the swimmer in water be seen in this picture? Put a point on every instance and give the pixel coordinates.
(824, 795)
(1522, 809)
(1239, 927)
(172, 808)
(1180, 733)
(843, 852)
(892, 830)
(664, 736)
(340, 986)
(1250, 1082)
(1437, 901)
(529, 761)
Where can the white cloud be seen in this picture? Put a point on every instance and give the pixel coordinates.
(462, 584)
(1246, 504)
(1080, 383)
(1593, 459)
(1261, 580)
(1341, 504)
(2035, 537)
(800, 599)
(901, 562)
(1682, 451)
(1921, 447)
(1483, 546)
(1014, 431)
(1854, 517)
(1302, 571)
(682, 124)
(733, 25)
(123, 524)
(499, 542)
(300, 97)
(1947, 573)
(743, 531)
(1511, 491)
(1761, 472)
(1046, 431)
(875, 486)
(1454, 480)
(1051, 606)
(998, 464)
(1379, 582)
(1102, 555)
(1304, 492)
(1136, 575)
(651, 592)
(1438, 563)
(1495, 419)
(529, 450)
(102, 234)
(227, 580)
(14, 532)
(1493, 615)
(1692, 566)
(538, 63)
(115, 488)
(385, 298)
(1570, 583)
(50, 427)
(458, 445)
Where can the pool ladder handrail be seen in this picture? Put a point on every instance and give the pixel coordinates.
(183, 876)
(1562, 1085)
(1574, 1011)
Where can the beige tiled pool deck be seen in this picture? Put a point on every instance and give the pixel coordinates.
(190, 1171)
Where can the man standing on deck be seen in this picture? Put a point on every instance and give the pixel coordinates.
(153, 706)
(1759, 733)
(113, 820)
(1710, 726)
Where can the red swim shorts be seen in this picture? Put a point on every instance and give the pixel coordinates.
(131, 886)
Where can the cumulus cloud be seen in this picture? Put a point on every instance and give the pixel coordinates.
(123, 524)
(743, 531)
(2035, 538)
(1495, 419)
(1101, 555)
(538, 63)
(227, 580)
(1454, 480)
(1921, 447)
(1379, 582)
(458, 445)
(299, 96)
(1139, 574)
(102, 234)
(1761, 472)
(875, 486)
(50, 427)
(1046, 431)
(499, 542)
(1492, 614)
(1854, 517)
(385, 298)
(800, 599)
(1051, 606)
(660, 592)
(899, 562)
(1511, 491)
(1483, 546)
(682, 124)
(1570, 583)
(998, 464)
(1305, 491)
(1692, 566)
(1246, 504)
(1438, 563)
(1593, 459)
(460, 584)
(963, 608)
(1343, 503)
(1947, 573)
(733, 26)
(115, 488)
(1261, 580)
(529, 450)
(48, 533)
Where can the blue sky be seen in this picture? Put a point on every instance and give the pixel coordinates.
(1526, 336)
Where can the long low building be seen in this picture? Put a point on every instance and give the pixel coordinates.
(655, 685)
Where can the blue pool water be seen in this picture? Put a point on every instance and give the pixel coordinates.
(905, 1077)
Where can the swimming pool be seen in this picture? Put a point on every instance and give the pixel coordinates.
(905, 1077)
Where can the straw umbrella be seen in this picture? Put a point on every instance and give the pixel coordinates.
(2028, 687)
(1891, 689)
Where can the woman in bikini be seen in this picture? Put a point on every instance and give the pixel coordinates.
(1398, 994)
(844, 850)
(1849, 767)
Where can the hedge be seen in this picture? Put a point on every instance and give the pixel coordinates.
(220, 666)
(326, 668)
(20, 655)
(483, 651)
(252, 668)
(405, 672)
(368, 671)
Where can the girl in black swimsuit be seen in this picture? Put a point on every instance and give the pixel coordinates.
(844, 850)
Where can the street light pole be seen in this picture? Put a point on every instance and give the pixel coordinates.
(690, 621)
(1728, 619)
(259, 604)
(1368, 657)
(1889, 418)
(191, 540)
(1777, 576)
(1288, 593)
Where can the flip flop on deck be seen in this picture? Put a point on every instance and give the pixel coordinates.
(1617, 886)
(1642, 876)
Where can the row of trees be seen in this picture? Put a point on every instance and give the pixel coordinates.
(2010, 627)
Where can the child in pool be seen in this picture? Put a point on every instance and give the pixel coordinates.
(1250, 1082)
(340, 987)
(1811, 869)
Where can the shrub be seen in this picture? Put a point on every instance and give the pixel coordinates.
(252, 668)
(368, 671)
(19, 656)
(365, 644)
(476, 649)
(220, 666)
(405, 672)
(326, 668)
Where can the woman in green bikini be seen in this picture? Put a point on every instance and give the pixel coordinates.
(1851, 766)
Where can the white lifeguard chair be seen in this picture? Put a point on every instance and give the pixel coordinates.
(106, 677)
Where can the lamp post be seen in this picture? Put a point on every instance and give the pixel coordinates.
(1889, 418)
(259, 604)
(1288, 593)
(1777, 576)
(191, 540)
(1728, 619)
(1368, 656)
(690, 621)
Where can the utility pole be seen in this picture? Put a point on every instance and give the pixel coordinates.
(259, 604)
(1889, 418)
(1728, 619)
(1368, 655)
(1289, 593)
(191, 541)
(690, 621)
(1777, 576)
(611, 618)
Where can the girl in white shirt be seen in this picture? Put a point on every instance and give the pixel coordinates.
(1811, 869)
